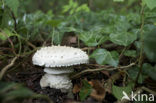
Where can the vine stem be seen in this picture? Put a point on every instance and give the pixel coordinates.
(101, 69)
(7, 67)
(142, 44)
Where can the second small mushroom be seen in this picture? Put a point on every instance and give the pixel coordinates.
(57, 61)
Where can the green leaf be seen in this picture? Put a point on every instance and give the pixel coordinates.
(118, 91)
(149, 45)
(11, 91)
(5, 19)
(73, 7)
(13, 5)
(149, 70)
(6, 86)
(57, 37)
(150, 3)
(134, 18)
(102, 56)
(133, 72)
(92, 38)
(123, 38)
(130, 53)
(121, 24)
(118, 0)
(70, 7)
(85, 90)
(53, 23)
(108, 29)
(70, 29)
(83, 8)
(5, 34)
(21, 92)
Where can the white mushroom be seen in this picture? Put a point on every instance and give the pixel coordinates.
(58, 70)
(58, 56)
(57, 60)
(56, 81)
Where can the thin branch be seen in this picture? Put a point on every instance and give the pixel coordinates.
(14, 18)
(29, 43)
(7, 67)
(10, 41)
(142, 44)
(12, 45)
(101, 69)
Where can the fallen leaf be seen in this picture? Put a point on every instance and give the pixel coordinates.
(76, 88)
(98, 91)
(109, 82)
(106, 73)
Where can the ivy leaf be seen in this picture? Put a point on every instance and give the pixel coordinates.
(151, 4)
(53, 23)
(149, 45)
(133, 72)
(102, 56)
(123, 38)
(5, 34)
(92, 38)
(130, 53)
(5, 19)
(11, 91)
(118, 0)
(83, 7)
(85, 90)
(21, 92)
(13, 5)
(122, 24)
(149, 70)
(118, 91)
(57, 37)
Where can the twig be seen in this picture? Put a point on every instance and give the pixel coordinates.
(14, 18)
(10, 41)
(12, 45)
(97, 65)
(7, 67)
(101, 69)
(142, 44)
(29, 43)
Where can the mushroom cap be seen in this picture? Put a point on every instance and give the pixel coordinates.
(56, 81)
(58, 56)
(58, 70)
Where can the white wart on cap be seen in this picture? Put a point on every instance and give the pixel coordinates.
(58, 56)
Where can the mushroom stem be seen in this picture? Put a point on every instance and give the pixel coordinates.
(55, 80)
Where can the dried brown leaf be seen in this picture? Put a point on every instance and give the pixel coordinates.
(98, 91)
(106, 73)
(76, 88)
